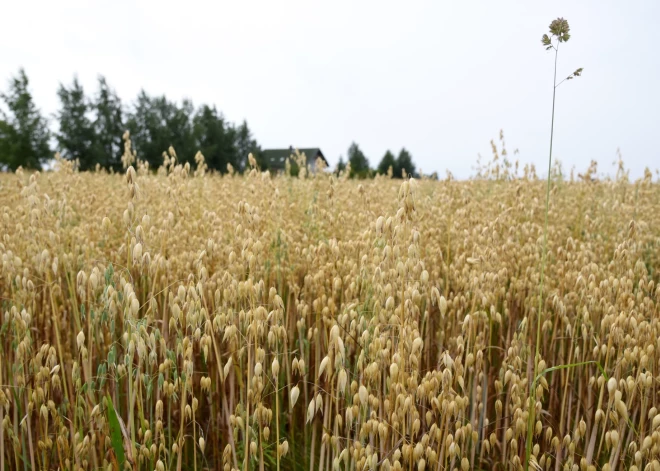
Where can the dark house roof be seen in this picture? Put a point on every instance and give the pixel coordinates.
(276, 158)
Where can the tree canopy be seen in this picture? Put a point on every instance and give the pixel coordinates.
(404, 162)
(77, 136)
(359, 162)
(388, 161)
(24, 134)
(108, 126)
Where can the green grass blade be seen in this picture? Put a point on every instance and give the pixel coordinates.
(572, 365)
(116, 437)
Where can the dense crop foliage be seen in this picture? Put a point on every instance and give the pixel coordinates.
(192, 321)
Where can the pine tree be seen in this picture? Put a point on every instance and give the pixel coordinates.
(156, 124)
(386, 162)
(215, 139)
(143, 125)
(341, 165)
(24, 131)
(246, 144)
(179, 123)
(359, 162)
(404, 162)
(76, 136)
(108, 126)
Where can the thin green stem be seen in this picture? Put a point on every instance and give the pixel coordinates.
(277, 414)
(532, 394)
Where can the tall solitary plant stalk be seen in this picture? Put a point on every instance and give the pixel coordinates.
(559, 33)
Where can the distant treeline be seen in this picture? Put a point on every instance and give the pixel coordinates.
(90, 129)
(397, 167)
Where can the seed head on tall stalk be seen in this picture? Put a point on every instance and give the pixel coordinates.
(559, 33)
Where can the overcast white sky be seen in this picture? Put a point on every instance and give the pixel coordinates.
(440, 78)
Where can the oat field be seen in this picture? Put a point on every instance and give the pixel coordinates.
(181, 320)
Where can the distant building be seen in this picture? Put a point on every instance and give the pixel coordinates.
(276, 158)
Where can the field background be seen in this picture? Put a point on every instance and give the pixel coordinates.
(398, 316)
